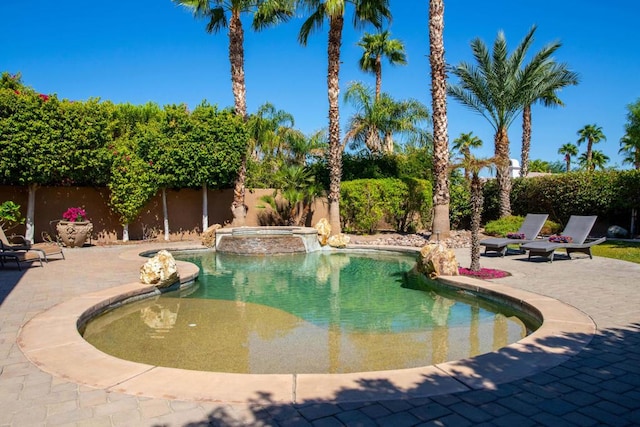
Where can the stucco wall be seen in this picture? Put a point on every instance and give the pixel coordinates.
(184, 211)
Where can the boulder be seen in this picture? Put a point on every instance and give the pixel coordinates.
(161, 270)
(324, 231)
(209, 236)
(617, 231)
(339, 241)
(437, 260)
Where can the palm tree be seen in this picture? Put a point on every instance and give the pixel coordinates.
(552, 77)
(474, 166)
(267, 130)
(630, 148)
(376, 120)
(598, 160)
(568, 150)
(441, 196)
(591, 134)
(265, 13)
(463, 144)
(377, 46)
(372, 11)
(498, 88)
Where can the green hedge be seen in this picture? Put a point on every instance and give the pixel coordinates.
(605, 193)
(404, 204)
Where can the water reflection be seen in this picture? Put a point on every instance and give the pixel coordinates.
(297, 314)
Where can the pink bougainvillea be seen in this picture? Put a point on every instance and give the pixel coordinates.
(75, 214)
(483, 273)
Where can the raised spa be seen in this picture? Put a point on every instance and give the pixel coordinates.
(318, 312)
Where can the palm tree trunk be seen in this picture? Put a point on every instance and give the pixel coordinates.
(502, 171)
(378, 77)
(590, 165)
(441, 226)
(526, 140)
(238, 207)
(567, 159)
(236, 57)
(476, 212)
(335, 148)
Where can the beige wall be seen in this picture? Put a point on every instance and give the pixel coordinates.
(185, 211)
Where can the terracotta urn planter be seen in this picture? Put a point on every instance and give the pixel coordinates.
(74, 234)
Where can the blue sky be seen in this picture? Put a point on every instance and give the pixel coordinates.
(152, 50)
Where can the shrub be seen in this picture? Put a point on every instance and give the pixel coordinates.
(404, 204)
(604, 193)
(511, 224)
(502, 226)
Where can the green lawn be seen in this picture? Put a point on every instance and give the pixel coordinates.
(626, 251)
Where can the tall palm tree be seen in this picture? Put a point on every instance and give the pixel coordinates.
(265, 13)
(498, 88)
(591, 134)
(377, 46)
(568, 150)
(441, 196)
(630, 148)
(598, 160)
(553, 77)
(371, 11)
(463, 145)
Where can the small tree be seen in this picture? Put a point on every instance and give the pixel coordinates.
(474, 166)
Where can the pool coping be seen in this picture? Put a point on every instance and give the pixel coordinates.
(51, 341)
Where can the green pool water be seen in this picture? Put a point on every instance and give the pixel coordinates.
(307, 313)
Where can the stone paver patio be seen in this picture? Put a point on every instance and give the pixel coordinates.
(598, 386)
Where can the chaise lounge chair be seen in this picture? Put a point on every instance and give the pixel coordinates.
(18, 256)
(529, 230)
(45, 250)
(575, 233)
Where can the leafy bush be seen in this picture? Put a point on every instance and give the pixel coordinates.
(502, 226)
(511, 224)
(404, 204)
(459, 202)
(602, 193)
(10, 215)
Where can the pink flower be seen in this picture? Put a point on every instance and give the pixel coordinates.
(483, 273)
(75, 214)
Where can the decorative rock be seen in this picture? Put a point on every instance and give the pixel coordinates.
(617, 231)
(436, 260)
(339, 241)
(161, 270)
(209, 235)
(324, 231)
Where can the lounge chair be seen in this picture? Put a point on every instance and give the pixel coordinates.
(45, 250)
(7, 254)
(529, 230)
(576, 233)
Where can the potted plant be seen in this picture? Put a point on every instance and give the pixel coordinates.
(74, 228)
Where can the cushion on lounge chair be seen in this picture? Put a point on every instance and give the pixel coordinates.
(560, 239)
(517, 236)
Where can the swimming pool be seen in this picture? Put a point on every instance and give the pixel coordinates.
(322, 312)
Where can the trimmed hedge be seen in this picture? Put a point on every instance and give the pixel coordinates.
(607, 194)
(404, 204)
